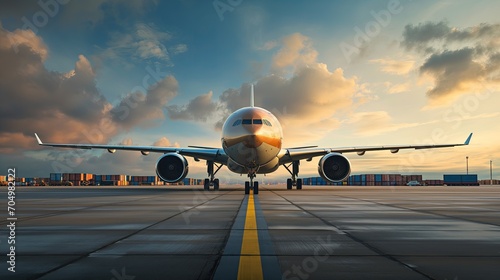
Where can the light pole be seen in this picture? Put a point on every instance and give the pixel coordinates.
(491, 173)
(467, 165)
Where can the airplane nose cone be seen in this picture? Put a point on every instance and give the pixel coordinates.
(253, 141)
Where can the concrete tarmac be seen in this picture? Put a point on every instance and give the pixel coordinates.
(320, 232)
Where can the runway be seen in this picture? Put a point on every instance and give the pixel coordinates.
(320, 232)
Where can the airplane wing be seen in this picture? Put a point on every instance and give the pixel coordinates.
(213, 154)
(295, 154)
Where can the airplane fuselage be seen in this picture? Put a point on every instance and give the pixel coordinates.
(252, 138)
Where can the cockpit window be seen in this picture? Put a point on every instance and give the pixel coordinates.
(252, 121)
(237, 122)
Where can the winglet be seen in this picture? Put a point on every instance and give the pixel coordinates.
(38, 139)
(468, 139)
(252, 100)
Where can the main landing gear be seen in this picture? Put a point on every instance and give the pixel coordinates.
(294, 181)
(251, 185)
(211, 173)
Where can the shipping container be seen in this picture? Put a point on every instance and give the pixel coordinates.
(489, 182)
(107, 183)
(460, 180)
(386, 177)
(56, 177)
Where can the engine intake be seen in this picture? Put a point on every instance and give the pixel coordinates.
(334, 167)
(172, 168)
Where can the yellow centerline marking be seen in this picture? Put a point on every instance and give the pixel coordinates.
(250, 266)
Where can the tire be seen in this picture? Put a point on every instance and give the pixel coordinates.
(299, 184)
(289, 184)
(255, 187)
(206, 185)
(247, 187)
(216, 184)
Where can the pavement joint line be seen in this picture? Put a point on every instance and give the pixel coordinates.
(227, 267)
(227, 240)
(420, 211)
(366, 244)
(122, 238)
(270, 264)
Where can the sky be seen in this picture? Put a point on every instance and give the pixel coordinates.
(168, 73)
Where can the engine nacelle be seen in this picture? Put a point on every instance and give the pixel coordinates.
(172, 168)
(334, 167)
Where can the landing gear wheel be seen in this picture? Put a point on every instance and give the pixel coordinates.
(299, 184)
(247, 187)
(289, 184)
(255, 187)
(211, 173)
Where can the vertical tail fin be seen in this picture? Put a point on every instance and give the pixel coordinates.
(252, 100)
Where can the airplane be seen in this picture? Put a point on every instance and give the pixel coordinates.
(251, 144)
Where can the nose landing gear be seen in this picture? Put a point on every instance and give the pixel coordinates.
(251, 185)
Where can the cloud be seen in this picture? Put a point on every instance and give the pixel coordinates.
(418, 37)
(454, 72)
(23, 40)
(397, 88)
(64, 107)
(422, 36)
(201, 108)
(312, 94)
(269, 45)
(296, 50)
(180, 48)
(459, 61)
(38, 99)
(143, 42)
(164, 142)
(395, 67)
(139, 108)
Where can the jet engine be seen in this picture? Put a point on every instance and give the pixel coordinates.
(334, 167)
(172, 168)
